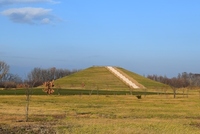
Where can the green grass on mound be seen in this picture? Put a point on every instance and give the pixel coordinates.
(92, 78)
(148, 83)
(101, 78)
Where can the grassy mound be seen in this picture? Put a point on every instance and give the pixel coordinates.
(95, 78)
(148, 83)
(92, 78)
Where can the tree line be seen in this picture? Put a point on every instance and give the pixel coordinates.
(181, 81)
(38, 76)
(35, 77)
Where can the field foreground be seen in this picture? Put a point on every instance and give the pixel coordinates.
(101, 114)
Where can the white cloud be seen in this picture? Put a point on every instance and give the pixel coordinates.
(46, 21)
(8, 2)
(29, 15)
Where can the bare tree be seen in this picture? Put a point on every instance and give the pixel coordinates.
(29, 84)
(4, 68)
(174, 91)
(10, 81)
(182, 80)
(28, 95)
(43, 75)
(48, 87)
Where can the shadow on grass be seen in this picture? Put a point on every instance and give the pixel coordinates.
(37, 91)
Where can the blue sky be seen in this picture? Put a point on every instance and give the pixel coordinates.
(144, 36)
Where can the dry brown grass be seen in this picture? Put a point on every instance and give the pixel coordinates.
(102, 114)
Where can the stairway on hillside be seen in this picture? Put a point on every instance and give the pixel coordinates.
(122, 77)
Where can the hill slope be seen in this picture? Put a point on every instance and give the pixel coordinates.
(101, 78)
(148, 83)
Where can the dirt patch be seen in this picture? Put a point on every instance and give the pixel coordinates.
(37, 124)
(195, 124)
(59, 116)
(27, 129)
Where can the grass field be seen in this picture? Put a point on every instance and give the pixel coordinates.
(100, 114)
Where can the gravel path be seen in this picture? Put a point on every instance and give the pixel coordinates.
(122, 77)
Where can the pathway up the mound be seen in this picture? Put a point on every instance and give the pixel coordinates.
(122, 77)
